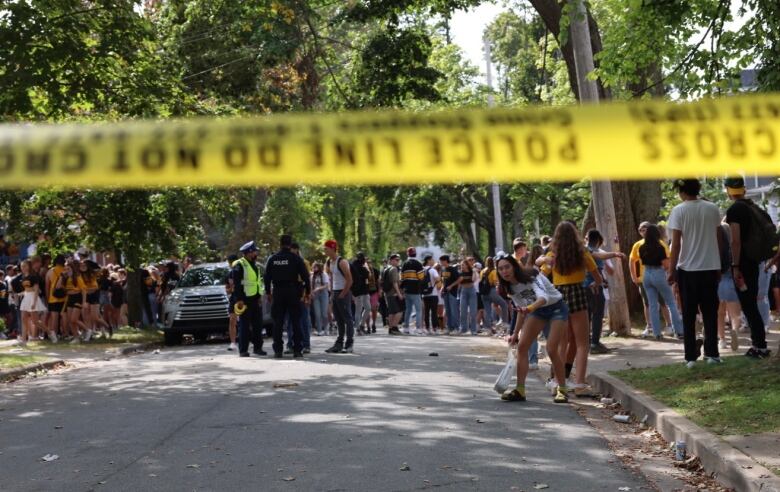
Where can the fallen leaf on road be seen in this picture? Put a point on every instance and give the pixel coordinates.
(479, 421)
(433, 354)
(404, 467)
(289, 479)
(193, 466)
(58, 427)
(285, 384)
(50, 457)
(540, 486)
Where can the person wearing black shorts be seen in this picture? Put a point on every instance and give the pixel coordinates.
(391, 287)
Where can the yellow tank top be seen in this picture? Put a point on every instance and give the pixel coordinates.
(55, 277)
(91, 285)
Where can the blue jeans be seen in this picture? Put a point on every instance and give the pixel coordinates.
(494, 298)
(533, 350)
(413, 301)
(452, 311)
(468, 310)
(319, 304)
(656, 284)
(764, 278)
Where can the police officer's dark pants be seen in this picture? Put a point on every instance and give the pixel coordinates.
(748, 300)
(287, 302)
(699, 292)
(250, 326)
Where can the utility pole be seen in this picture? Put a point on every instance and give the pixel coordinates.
(603, 204)
(497, 222)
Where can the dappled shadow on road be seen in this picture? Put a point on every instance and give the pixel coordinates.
(345, 422)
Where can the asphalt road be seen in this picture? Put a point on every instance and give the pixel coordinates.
(389, 417)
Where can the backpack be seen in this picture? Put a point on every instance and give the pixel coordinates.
(427, 288)
(763, 241)
(387, 285)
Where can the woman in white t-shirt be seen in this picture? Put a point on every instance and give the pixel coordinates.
(538, 302)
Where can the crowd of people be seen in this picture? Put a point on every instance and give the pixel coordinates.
(707, 270)
(701, 274)
(73, 298)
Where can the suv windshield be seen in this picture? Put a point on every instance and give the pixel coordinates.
(201, 277)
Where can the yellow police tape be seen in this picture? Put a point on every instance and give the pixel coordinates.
(639, 140)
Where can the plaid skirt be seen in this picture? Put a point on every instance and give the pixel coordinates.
(575, 296)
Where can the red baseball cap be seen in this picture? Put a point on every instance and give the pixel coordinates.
(332, 244)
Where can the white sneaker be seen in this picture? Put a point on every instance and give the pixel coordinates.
(722, 344)
(406, 331)
(88, 335)
(713, 360)
(232, 346)
(533, 367)
(670, 331)
(75, 341)
(52, 337)
(551, 385)
(690, 364)
(648, 332)
(21, 341)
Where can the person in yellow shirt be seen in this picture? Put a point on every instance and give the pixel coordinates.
(488, 289)
(569, 262)
(637, 271)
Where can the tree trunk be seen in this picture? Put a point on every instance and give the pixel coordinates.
(247, 221)
(362, 237)
(518, 209)
(555, 211)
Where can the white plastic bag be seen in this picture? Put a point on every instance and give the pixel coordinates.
(504, 380)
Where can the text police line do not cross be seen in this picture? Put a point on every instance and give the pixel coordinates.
(638, 140)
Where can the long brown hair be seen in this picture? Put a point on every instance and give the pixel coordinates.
(568, 249)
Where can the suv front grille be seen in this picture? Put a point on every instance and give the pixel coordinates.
(200, 307)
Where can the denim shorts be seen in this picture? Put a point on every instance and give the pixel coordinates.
(554, 312)
(726, 290)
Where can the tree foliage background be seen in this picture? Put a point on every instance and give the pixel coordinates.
(88, 60)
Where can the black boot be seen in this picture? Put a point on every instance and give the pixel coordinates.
(336, 348)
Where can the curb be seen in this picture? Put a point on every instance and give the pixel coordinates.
(21, 371)
(726, 463)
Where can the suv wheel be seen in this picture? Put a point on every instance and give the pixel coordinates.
(173, 337)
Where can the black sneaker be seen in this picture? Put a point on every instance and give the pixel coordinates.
(347, 349)
(335, 349)
(394, 331)
(288, 351)
(757, 353)
(599, 348)
(297, 355)
(373, 328)
(306, 351)
(244, 354)
(260, 352)
(278, 355)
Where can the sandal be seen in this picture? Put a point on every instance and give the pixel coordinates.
(513, 395)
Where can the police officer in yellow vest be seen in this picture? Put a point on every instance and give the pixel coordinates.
(248, 291)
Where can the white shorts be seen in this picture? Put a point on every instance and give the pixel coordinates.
(27, 304)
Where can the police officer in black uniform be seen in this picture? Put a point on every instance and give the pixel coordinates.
(248, 296)
(283, 275)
